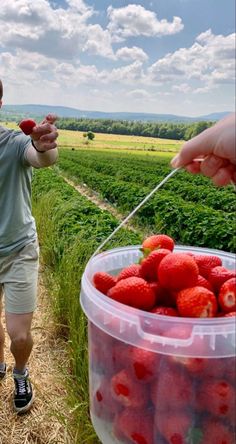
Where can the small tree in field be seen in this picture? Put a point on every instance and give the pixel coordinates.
(90, 135)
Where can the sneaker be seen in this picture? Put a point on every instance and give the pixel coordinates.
(23, 396)
(3, 372)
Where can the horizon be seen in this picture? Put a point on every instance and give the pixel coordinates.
(145, 57)
(113, 112)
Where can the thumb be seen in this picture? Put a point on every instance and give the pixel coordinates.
(199, 146)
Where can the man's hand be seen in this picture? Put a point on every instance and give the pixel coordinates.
(44, 134)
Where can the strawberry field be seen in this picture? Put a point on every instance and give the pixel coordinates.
(188, 208)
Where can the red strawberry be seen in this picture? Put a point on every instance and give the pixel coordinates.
(27, 126)
(177, 271)
(196, 302)
(167, 311)
(174, 427)
(173, 389)
(136, 425)
(131, 270)
(163, 296)
(150, 264)
(227, 296)
(217, 397)
(120, 356)
(144, 364)
(203, 282)
(103, 405)
(231, 314)
(206, 263)
(103, 281)
(135, 292)
(219, 275)
(215, 432)
(128, 392)
(157, 241)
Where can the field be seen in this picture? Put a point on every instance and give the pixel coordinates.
(121, 171)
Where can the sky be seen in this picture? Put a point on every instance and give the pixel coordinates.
(153, 56)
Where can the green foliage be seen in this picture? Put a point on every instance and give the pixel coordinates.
(188, 207)
(165, 130)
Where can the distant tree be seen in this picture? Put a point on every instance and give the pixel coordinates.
(90, 135)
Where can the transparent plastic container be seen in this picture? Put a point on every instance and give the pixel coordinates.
(149, 372)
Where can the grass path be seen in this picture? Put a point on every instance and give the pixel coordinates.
(48, 420)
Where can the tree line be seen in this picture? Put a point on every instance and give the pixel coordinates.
(164, 130)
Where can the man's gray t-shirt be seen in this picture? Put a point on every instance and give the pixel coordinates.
(17, 225)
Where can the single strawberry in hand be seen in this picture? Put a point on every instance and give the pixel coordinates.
(196, 302)
(135, 292)
(227, 296)
(103, 281)
(27, 126)
(177, 271)
(157, 241)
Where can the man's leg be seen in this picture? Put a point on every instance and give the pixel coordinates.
(2, 334)
(18, 328)
(2, 342)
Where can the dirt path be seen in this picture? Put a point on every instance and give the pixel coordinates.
(43, 424)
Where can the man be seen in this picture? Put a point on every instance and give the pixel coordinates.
(18, 244)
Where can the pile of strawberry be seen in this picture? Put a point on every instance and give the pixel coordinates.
(151, 398)
(171, 283)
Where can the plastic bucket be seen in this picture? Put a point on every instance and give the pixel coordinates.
(169, 370)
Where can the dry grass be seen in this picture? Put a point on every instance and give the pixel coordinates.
(48, 420)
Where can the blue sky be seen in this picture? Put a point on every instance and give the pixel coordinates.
(159, 56)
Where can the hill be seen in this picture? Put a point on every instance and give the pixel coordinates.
(37, 111)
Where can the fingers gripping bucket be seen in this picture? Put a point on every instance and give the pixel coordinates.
(183, 360)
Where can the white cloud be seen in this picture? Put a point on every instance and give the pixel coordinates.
(209, 60)
(133, 53)
(55, 32)
(135, 20)
(138, 94)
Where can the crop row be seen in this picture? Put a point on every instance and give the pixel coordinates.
(148, 173)
(189, 223)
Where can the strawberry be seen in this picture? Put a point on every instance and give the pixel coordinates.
(131, 270)
(203, 282)
(163, 296)
(218, 275)
(103, 281)
(27, 126)
(206, 263)
(128, 392)
(157, 241)
(150, 264)
(136, 425)
(174, 426)
(227, 296)
(173, 389)
(196, 302)
(103, 405)
(231, 314)
(177, 271)
(143, 364)
(135, 292)
(167, 311)
(216, 397)
(215, 432)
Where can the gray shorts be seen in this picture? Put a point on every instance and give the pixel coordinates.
(19, 279)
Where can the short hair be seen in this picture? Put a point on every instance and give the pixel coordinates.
(1, 90)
